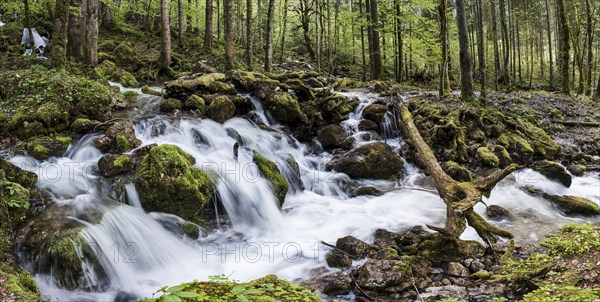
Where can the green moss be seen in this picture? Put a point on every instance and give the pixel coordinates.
(18, 283)
(221, 109)
(129, 93)
(169, 105)
(51, 115)
(42, 147)
(83, 125)
(265, 289)
(195, 102)
(574, 205)
(557, 293)
(168, 182)
(15, 174)
(524, 270)
(270, 171)
(347, 83)
(128, 80)
(285, 108)
(574, 239)
(112, 164)
(457, 172)
(148, 90)
(487, 157)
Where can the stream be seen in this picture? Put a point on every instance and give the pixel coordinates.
(254, 237)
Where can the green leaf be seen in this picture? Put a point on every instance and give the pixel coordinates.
(171, 298)
(174, 289)
(255, 291)
(187, 295)
(242, 298)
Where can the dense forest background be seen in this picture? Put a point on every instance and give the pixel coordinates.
(512, 44)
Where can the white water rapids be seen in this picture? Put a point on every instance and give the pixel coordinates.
(139, 255)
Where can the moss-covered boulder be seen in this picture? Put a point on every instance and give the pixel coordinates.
(378, 274)
(457, 172)
(185, 86)
(335, 107)
(345, 84)
(150, 91)
(167, 181)
(122, 134)
(553, 171)
(43, 147)
(128, 80)
(221, 88)
(17, 284)
(487, 157)
(375, 112)
(503, 156)
(170, 104)
(113, 164)
(15, 174)
(126, 56)
(83, 125)
(331, 136)
(220, 109)
(266, 289)
(259, 84)
(195, 103)
(374, 160)
(573, 205)
(270, 172)
(284, 108)
(520, 150)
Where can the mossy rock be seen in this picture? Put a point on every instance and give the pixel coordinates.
(126, 56)
(185, 86)
(574, 205)
(17, 284)
(266, 289)
(128, 80)
(15, 174)
(373, 160)
(335, 107)
(221, 88)
(457, 172)
(503, 156)
(43, 147)
(286, 109)
(196, 103)
(375, 112)
(487, 158)
(112, 164)
(553, 171)
(271, 172)
(521, 151)
(555, 292)
(122, 134)
(170, 104)
(83, 125)
(331, 136)
(167, 181)
(150, 91)
(51, 115)
(343, 84)
(221, 109)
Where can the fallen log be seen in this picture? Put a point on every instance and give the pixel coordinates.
(459, 197)
(576, 123)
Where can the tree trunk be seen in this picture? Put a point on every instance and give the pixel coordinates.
(61, 24)
(400, 42)
(165, 35)
(269, 38)
(590, 37)
(564, 47)
(76, 30)
(228, 16)
(90, 48)
(28, 24)
(305, 20)
(249, 40)
(180, 23)
(329, 48)
(466, 63)
(496, 48)
(208, 36)
(444, 77)
(377, 63)
(362, 42)
(481, 49)
(283, 30)
(505, 44)
(107, 17)
(550, 65)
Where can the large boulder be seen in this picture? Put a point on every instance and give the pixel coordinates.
(167, 181)
(374, 160)
(553, 171)
(15, 174)
(487, 158)
(354, 247)
(284, 108)
(336, 107)
(221, 109)
(43, 147)
(331, 136)
(457, 172)
(185, 86)
(113, 164)
(574, 205)
(520, 150)
(378, 274)
(375, 112)
(256, 83)
(270, 172)
(122, 134)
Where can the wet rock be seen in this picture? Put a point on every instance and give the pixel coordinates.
(574, 205)
(43, 147)
(374, 160)
(141, 151)
(378, 274)
(123, 135)
(553, 171)
(123, 296)
(375, 112)
(270, 172)
(577, 170)
(445, 292)
(355, 248)
(339, 284)
(15, 174)
(256, 83)
(221, 109)
(503, 156)
(521, 151)
(497, 213)
(194, 102)
(83, 125)
(112, 164)
(294, 176)
(456, 269)
(170, 104)
(331, 136)
(368, 125)
(201, 67)
(185, 86)
(284, 108)
(338, 259)
(103, 143)
(487, 158)
(367, 191)
(457, 172)
(150, 91)
(336, 107)
(168, 182)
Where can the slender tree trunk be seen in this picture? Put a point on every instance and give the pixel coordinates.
(208, 36)
(444, 77)
(228, 16)
(399, 41)
(505, 44)
(61, 26)
(249, 40)
(466, 63)
(107, 16)
(269, 38)
(317, 36)
(165, 35)
(329, 47)
(31, 44)
(496, 48)
(550, 64)
(564, 47)
(284, 30)
(362, 42)
(369, 34)
(590, 37)
(148, 18)
(377, 63)
(90, 48)
(76, 30)
(481, 49)
(180, 23)
(305, 20)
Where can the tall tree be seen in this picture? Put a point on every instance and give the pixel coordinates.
(180, 23)
(249, 40)
(165, 35)
(505, 44)
(466, 64)
(284, 30)
(61, 24)
(90, 40)
(208, 21)
(400, 42)
(228, 15)
(564, 46)
(496, 47)
(28, 23)
(481, 49)
(444, 77)
(550, 66)
(377, 63)
(590, 38)
(269, 38)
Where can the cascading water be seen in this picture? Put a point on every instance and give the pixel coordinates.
(138, 254)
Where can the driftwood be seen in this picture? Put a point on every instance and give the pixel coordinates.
(459, 197)
(577, 124)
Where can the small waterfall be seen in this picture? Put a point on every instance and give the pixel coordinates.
(387, 126)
